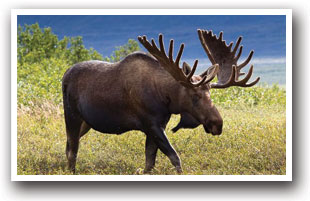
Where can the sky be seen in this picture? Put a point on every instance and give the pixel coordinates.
(264, 34)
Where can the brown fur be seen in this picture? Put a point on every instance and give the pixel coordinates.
(134, 94)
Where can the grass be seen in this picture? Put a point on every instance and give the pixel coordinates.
(252, 143)
(253, 139)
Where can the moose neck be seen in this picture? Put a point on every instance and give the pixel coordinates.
(171, 91)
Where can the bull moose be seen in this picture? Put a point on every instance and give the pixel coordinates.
(142, 91)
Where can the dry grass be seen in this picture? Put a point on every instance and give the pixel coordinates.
(252, 143)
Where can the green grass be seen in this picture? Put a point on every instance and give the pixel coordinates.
(252, 143)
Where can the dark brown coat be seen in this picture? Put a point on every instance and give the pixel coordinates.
(134, 94)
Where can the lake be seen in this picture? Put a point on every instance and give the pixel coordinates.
(270, 70)
(265, 34)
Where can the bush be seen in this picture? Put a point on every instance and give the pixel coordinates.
(257, 95)
(43, 59)
(34, 45)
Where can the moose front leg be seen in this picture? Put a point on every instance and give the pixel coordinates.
(158, 136)
(150, 153)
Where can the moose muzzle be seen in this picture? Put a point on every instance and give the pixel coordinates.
(214, 127)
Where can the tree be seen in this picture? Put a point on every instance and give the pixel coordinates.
(78, 51)
(43, 59)
(122, 51)
(35, 44)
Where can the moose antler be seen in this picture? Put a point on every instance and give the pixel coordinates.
(220, 53)
(173, 66)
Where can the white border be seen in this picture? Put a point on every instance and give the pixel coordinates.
(13, 96)
(287, 177)
(151, 12)
(289, 96)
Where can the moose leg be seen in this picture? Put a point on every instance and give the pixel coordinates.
(159, 135)
(150, 153)
(73, 128)
(72, 149)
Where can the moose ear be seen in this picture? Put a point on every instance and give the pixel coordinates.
(207, 71)
(186, 68)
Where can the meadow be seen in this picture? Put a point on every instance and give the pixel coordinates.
(253, 141)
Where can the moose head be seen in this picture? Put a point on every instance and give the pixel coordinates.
(228, 73)
(194, 97)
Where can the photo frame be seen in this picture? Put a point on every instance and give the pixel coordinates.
(156, 12)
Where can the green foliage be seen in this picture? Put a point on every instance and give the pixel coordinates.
(122, 51)
(40, 82)
(257, 95)
(43, 59)
(79, 53)
(34, 45)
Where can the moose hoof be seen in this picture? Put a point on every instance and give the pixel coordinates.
(146, 171)
(139, 171)
(179, 169)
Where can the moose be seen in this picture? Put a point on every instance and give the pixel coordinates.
(142, 91)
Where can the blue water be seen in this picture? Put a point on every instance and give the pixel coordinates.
(270, 70)
(271, 73)
(266, 35)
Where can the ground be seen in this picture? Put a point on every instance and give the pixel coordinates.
(252, 143)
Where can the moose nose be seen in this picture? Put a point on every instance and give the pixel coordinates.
(214, 127)
(217, 129)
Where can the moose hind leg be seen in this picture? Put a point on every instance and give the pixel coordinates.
(75, 131)
(73, 127)
(72, 148)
